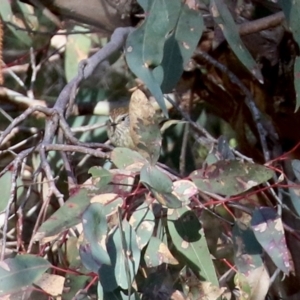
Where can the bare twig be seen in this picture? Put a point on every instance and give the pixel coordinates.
(261, 24)
(182, 162)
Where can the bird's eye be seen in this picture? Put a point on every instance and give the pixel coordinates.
(123, 118)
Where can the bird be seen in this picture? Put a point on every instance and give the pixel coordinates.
(118, 128)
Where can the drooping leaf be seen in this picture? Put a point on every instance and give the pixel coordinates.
(66, 216)
(125, 158)
(134, 57)
(143, 221)
(117, 294)
(77, 48)
(157, 253)
(255, 285)
(224, 19)
(114, 275)
(160, 185)
(252, 277)
(189, 240)
(180, 46)
(268, 229)
(21, 271)
(231, 177)
(87, 259)
(95, 232)
(144, 127)
(157, 51)
(247, 250)
(291, 10)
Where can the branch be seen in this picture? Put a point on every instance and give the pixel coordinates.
(265, 129)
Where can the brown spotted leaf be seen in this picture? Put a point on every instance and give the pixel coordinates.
(144, 127)
(230, 177)
(268, 230)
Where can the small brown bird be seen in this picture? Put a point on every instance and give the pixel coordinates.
(118, 128)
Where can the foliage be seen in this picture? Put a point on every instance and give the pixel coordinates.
(183, 214)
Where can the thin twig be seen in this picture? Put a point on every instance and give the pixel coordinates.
(182, 164)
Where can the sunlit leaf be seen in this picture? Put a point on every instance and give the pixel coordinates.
(95, 232)
(5, 183)
(51, 283)
(157, 253)
(104, 176)
(116, 274)
(143, 221)
(144, 127)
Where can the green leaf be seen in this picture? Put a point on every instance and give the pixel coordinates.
(160, 185)
(73, 284)
(134, 58)
(189, 240)
(294, 193)
(117, 274)
(157, 180)
(117, 294)
(297, 82)
(66, 216)
(95, 232)
(296, 168)
(224, 19)
(87, 258)
(247, 249)
(104, 175)
(291, 10)
(21, 271)
(230, 177)
(180, 46)
(126, 158)
(8, 16)
(5, 184)
(268, 229)
(158, 253)
(252, 277)
(77, 49)
(142, 220)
